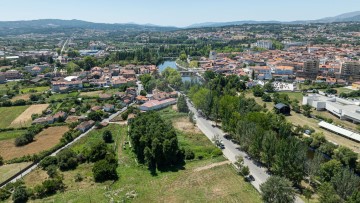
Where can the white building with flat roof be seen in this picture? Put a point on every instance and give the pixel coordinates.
(342, 108)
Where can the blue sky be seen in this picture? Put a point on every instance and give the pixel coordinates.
(174, 12)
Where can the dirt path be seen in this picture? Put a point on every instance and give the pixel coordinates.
(211, 166)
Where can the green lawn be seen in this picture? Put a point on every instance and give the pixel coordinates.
(295, 95)
(37, 89)
(11, 134)
(8, 114)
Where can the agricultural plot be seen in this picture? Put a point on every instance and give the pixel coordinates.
(24, 119)
(43, 141)
(9, 114)
(34, 89)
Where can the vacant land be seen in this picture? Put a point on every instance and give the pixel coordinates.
(8, 114)
(63, 96)
(43, 141)
(212, 184)
(215, 182)
(91, 94)
(24, 119)
(185, 125)
(34, 89)
(11, 134)
(6, 171)
(21, 96)
(95, 136)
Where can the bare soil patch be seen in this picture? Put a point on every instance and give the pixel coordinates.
(211, 166)
(24, 119)
(185, 125)
(21, 96)
(91, 94)
(43, 141)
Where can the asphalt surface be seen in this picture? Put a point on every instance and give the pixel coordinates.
(232, 150)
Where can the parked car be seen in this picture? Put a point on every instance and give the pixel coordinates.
(227, 136)
(251, 178)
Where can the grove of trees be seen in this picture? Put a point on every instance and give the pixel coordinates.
(155, 142)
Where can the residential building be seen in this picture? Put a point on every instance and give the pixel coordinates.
(350, 71)
(265, 44)
(156, 104)
(356, 85)
(212, 55)
(85, 126)
(64, 86)
(13, 75)
(284, 70)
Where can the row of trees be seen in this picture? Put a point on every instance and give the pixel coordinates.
(271, 140)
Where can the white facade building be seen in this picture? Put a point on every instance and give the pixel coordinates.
(342, 108)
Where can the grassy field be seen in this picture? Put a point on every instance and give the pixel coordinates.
(6, 171)
(63, 96)
(295, 95)
(96, 136)
(24, 119)
(198, 181)
(6, 86)
(37, 89)
(43, 141)
(11, 134)
(91, 94)
(9, 114)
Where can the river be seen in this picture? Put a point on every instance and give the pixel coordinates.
(172, 64)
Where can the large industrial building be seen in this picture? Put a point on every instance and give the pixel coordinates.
(342, 108)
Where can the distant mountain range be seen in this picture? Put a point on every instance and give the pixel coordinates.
(19, 27)
(346, 17)
(57, 23)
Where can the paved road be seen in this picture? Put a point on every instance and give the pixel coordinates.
(231, 150)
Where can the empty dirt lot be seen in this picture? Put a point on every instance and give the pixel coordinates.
(24, 119)
(185, 125)
(44, 140)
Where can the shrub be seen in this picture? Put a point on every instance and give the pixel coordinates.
(98, 151)
(48, 161)
(51, 171)
(189, 154)
(107, 136)
(4, 194)
(20, 195)
(78, 177)
(1, 160)
(67, 160)
(103, 171)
